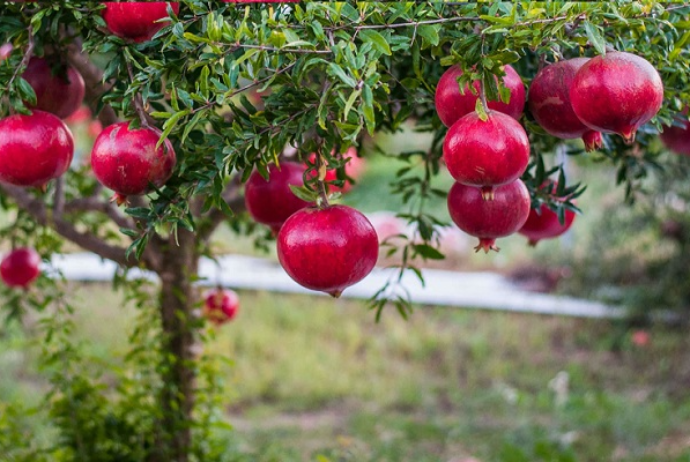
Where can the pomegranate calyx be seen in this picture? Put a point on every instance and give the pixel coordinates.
(487, 245)
(119, 199)
(336, 293)
(488, 193)
(592, 140)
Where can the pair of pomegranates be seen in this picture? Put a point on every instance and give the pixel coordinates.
(327, 248)
(612, 93)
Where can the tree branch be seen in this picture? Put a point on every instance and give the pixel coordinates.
(37, 209)
(93, 204)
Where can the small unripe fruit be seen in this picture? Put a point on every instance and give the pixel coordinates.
(20, 267)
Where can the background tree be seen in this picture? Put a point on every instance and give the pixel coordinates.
(329, 74)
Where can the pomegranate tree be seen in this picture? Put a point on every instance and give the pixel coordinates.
(34, 149)
(616, 93)
(271, 201)
(59, 89)
(549, 103)
(328, 249)
(489, 220)
(486, 153)
(221, 305)
(128, 162)
(137, 21)
(452, 104)
(20, 267)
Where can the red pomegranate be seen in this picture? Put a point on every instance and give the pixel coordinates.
(545, 224)
(272, 202)
(328, 249)
(221, 305)
(34, 149)
(127, 161)
(451, 105)
(20, 267)
(486, 153)
(489, 220)
(137, 21)
(677, 139)
(59, 91)
(549, 103)
(616, 93)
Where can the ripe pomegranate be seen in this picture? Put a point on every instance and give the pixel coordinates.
(677, 139)
(60, 92)
(486, 153)
(616, 93)
(549, 103)
(328, 249)
(272, 202)
(137, 21)
(20, 267)
(545, 224)
(489, 220)
(451, 105)
(127, 161)
(34, 149)
(221, 305)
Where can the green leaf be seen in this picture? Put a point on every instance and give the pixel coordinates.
(340, 73)
(304, 193)
(428, 252)
(430, 33)
(350, 102)
(378, 42)
(368, 109)
(595, 37)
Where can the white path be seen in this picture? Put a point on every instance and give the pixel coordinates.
(445, 288)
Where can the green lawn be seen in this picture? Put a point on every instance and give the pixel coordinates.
(314, 377)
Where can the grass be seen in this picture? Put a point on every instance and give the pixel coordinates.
(314, 377)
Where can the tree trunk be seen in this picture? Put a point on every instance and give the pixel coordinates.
(179, 268)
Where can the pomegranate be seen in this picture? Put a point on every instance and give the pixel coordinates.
(489, 220)
(34, 149)
(127, 161)
(20, 267)
(549, 103)
(137, 21)
(328, 249)
(60, 92)
(451, 105)
(272, 202)
(221, 305)
(545, 224)
(486, 153)
(616, 93)
(677, 139)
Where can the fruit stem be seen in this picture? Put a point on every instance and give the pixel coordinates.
(321, 170)
(488, 193)
(482, 96)
(138, 103)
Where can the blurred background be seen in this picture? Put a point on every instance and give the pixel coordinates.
(311, 378)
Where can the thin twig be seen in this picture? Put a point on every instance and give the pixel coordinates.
(137, 100)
